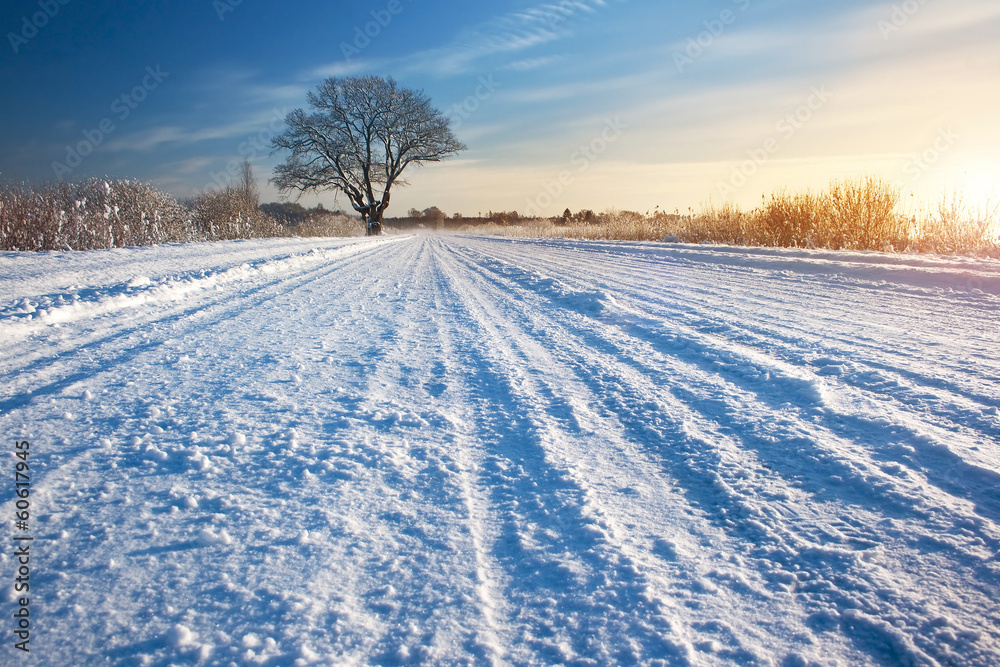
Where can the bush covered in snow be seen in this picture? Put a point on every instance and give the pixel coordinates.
(99, 213)
(92, 214)
(234, 211)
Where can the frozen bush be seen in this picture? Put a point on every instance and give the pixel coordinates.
(92, 214)
(234, 212)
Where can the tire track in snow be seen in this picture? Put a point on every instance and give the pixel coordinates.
(85, 466)
(52, 375)
(439, 391)
(525, 364)
(641, 358)
(364, 629)
(18, 323)
(747, 296)
(426, 455)
(667, 294)
(402, 336)
(534, 526)
(452, 390)
(927, 445)
(385, 604)
(117, 340)
(865, 404)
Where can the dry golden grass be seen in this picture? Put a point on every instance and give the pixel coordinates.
(861, 214)
(954, 227)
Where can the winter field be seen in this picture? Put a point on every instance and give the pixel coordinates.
(465, 450)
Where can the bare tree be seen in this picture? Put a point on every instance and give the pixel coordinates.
(361, 134)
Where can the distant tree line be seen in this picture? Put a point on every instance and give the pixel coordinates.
(293, 213)
(435, 218)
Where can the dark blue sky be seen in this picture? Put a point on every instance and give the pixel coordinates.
(174, 93)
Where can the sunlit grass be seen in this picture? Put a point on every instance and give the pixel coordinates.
(859, 214)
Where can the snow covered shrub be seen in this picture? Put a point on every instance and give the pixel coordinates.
(233, 212)
(223, 215)
(858, 215)
(26, 222)
(93, 214)
(115, 214)
(625, 225)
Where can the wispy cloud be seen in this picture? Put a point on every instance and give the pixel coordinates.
(149, 139)
(507, 34)
(629, 82)
(152, 138)
(531, 64)
(936, 19)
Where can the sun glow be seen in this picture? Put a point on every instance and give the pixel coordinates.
(981, 177)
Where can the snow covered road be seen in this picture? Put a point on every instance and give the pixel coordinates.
(463, 450)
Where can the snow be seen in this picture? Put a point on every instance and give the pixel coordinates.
(464, 450)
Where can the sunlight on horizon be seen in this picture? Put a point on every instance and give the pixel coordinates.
(627, 105)
(684, 186)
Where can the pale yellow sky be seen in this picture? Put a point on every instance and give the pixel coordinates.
(786, 97)
(916, 104)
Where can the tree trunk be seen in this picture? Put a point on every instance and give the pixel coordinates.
(373, 216)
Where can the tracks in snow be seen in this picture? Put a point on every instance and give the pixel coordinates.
(455, 450)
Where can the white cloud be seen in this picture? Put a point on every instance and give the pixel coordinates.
(935, 18)
(632, 81)
(505, 34)
(531, 64)
(252, 125)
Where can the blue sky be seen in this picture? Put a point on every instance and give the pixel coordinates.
(568, 104)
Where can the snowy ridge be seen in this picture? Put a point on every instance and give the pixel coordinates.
(462, 450)
(26, 316)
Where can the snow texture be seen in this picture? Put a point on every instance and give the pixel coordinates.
(461, 450)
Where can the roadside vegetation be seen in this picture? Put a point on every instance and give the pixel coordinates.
(99, 213)
(863, 214)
